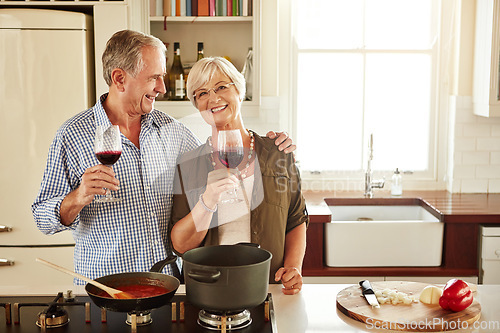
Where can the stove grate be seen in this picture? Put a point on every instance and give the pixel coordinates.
(52, 310)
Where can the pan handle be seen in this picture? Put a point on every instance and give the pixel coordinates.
(249, 244)
(158, 267)
(204, 276)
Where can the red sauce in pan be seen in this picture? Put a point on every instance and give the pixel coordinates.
(138, 290)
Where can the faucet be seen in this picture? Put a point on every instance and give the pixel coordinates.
(370, 184)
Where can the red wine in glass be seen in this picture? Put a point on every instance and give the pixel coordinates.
(108, 157)
(230, 153)
(231, 157)
(108, 149)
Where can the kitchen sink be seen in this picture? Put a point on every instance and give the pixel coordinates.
(392, 232)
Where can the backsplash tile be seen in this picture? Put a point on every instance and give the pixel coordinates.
(488, 171)
(495, 130)
(475, 157)
(488, 144)
(494, 186)
(476, 130)
(465, 144)
(476, 150)
(464, 172)
(495, 158)
(474, 186)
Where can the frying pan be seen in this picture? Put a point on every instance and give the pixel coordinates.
(153, 277)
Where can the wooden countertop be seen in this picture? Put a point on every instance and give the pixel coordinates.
(453, 207)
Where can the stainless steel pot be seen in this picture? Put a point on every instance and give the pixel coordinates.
(226, 277)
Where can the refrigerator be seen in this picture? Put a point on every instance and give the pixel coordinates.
(47, 76)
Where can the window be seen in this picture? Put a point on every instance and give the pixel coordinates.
(363, 67)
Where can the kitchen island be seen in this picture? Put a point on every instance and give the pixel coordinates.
(314, 308)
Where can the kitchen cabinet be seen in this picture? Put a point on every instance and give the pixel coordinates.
(486, 85)
(229, 36)
(459, 256)
(22, 269)
(489, 272)
(463, 214)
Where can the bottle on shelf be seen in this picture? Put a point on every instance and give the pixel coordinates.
(397, 184)
(200, 51)
(176, 77)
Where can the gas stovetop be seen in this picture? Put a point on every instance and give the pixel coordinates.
(79, 314)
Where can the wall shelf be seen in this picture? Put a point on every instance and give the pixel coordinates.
(181, 109)
(194, 19)
(225, 36)
(59, 3)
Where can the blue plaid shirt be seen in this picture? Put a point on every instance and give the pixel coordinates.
(127, 236)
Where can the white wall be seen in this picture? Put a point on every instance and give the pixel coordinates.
(473, 141)
(476, 150)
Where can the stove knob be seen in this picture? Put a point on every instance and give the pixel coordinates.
(69, 296)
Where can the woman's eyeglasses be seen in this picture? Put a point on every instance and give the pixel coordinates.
(203, 94)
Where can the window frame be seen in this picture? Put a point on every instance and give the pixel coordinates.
(434, 177)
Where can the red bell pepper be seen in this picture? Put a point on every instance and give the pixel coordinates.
(457, 296)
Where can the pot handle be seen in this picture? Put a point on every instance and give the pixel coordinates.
(249, 244)
(158, 267)
(204, 276)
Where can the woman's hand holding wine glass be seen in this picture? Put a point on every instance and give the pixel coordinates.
(219, 182)
(108, 149)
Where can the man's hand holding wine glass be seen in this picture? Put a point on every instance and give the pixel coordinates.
(107, 149)
(95, 181)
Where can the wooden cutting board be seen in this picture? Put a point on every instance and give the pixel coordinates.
(417, 317)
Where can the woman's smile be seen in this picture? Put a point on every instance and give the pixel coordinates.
(218, 108)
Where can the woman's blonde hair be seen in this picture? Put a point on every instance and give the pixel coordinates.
(204, 70)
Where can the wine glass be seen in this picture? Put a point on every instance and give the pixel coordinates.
(230, 153)
(108, 149)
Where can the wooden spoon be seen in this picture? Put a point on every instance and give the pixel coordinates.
(115, 293)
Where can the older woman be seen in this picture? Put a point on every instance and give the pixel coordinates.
(271, 211)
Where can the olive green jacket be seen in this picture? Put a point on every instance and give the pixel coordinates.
(277, 203)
